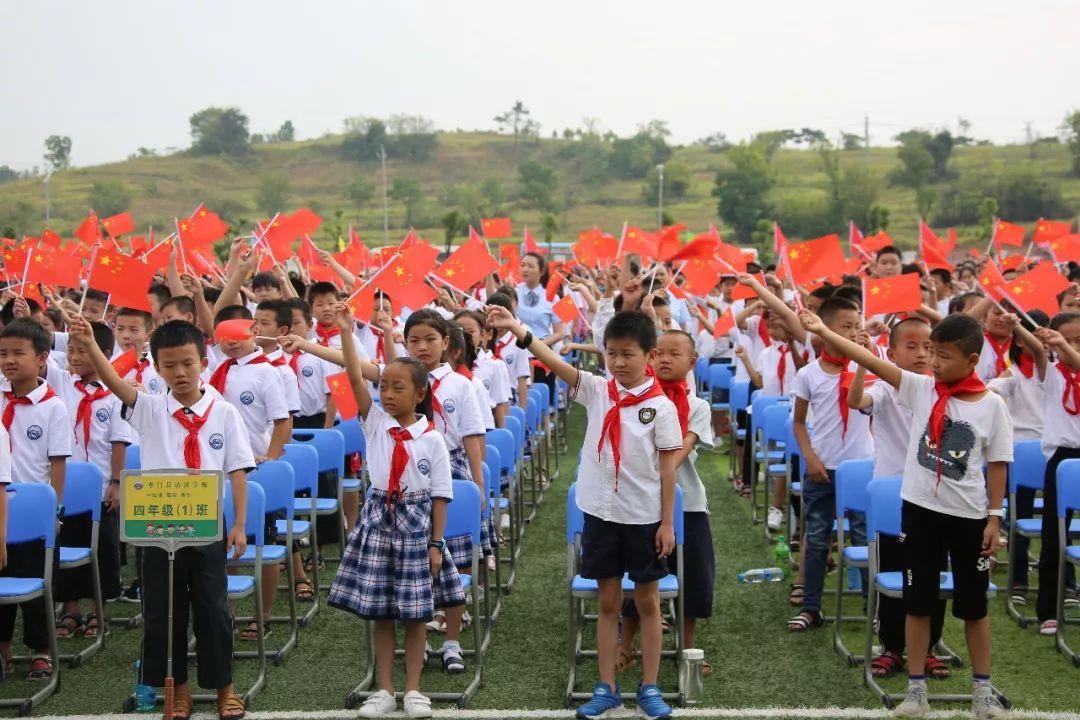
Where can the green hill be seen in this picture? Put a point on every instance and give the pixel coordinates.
(162, 188)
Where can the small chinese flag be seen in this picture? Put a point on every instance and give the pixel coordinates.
(933, 254)
(1011, 262)
(362, 302)
(815, 258)
(50, 239)
(779, 240)
(701, 247)
(342, 392)
(992, 281)
(1007, 233)
(668, 242)
(496, 228)
(1064, 249)
(124, 278)
(235, 330)
(724, 324)
(204, 226)
(117, 225)
(355, 257)
(884, 296)
(1048, 230)
(745, 292)
(88, 230)
(125, 362)
(639, 242)
(469, 264)
(565, 309)
(554, 283)
(702, 275)
(54, 267)
(528, 245)
(404, 282)
(510, 256)
(1038, 288)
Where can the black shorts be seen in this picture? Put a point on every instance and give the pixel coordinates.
(699, 571)
(609, 549)
(929, 540)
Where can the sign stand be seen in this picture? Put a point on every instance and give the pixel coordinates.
(171, 510)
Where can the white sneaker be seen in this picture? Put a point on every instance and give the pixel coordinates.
(438, 623)
(417, 705)
(985, 704)
(1048, 628)
(378, 705)
(915, 704)
(504, 522)
(774, 519)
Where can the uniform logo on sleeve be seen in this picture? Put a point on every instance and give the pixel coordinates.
(646, 415)
(308, 371)
(153, 385)
(217, 441)
(247, 397)
(102, 414)
(450, 406)
(34, 432)
(423, 466)
(487, 384)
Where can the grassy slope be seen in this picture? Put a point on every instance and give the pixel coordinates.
(165, 187)
(756, 662)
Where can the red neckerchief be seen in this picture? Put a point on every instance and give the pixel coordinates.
(436, 406)
(12, 401)
(675, 390)
(1070, 399)
(83, 414)
(844, 385)
(781, 367)
(462, 370)
(140, 366)
(192, 423)
(763, 331)
(399, 460)
(1026, 365)
(380, 349)
(936, 426)
(294, 364)
(612, 428)
(325, 335)
(1001, 351)
(217, 380)
(497, 352)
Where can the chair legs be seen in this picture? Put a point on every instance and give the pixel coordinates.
(1059, 639)
(76, 659)
(26, 705)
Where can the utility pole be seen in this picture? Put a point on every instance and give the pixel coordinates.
(660, 198)
(48, 204)
(866, 139)
(385, 204)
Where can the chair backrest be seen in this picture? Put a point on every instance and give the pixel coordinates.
(575, 519)
(883, 507)
(256, 510)
(532, 414)
(516, 427)
(774, 425)
(757, 409)
(493, 461)
(463, 514)
(541, 395)
(739, 394)
(31, 513)
(352, 434)
(1068, 486)
(305, 464)
(1028, 468)
(82, 490)
(133, 458)
(278, 481)
(701, 372)
(518, 413)
(852, 477)
(719, 377)
(329, 444)
(503, 439)
(485, 507)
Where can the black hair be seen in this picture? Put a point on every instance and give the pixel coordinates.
(282, 312)
(97, 295)
(161, 292)
(461, 342)
(265, 280)
(8, 313)
(182, 303)
(832, 305)
(298, 285)
(847, 292)
(302, 305)
(887, 250)
(56, 317)
(232, 312)
(27, 329)
(943, 274)
(322, 288)
(428, 317)
(682, 333)
(146, 317)
(103, 336)
(631, 325)
(824, 292)
(660, 301)
(177, 333)
(897, 328)
(907, 268)
(509, 291)
(502, 300)
(474, 314)
(1041, 320)
(957, 303)
(211, 294)
(1063, 319)
(961, 330)
(1065, 293)
(420, 379)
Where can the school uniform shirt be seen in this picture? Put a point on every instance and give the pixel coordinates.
(494, 379)
(312, 374)
(516, 359)
(483, 405)
(223, 439)
(428, 469)
(371, 340)
(1026, 399)
(534, 310)
(830, 441)
(985, 369)
(646, 429)
(146, 375)
(290, 381)
(256, 391)
(975, 433)
(460, 416)
(5, 457)
(106, 425)
(775, 355)
(335, 342)
(39, 431)
(56, 359)
(699, 423)
(891, 429)
(755, 346)
(1061, 428)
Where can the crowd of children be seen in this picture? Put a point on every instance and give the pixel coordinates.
(935, 396)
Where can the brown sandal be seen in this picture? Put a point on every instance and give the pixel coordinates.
(231, 708)
(183, 705)
(624, 661)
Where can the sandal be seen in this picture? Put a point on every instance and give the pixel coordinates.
(795, 597)
(68, 625)
(183, 705)
(309, 563)
(887, 664)
(92, 627)
(706, 669)
(438, 623)
(231, 708)
(624, 661)
(746, 492)
(251, 632)
(936, 668)
(806, 620)
(303, 595)
(41, 668)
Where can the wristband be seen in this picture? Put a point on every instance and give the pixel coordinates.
(438, 544)
(526, 341)
(114, 481)
(998, 513)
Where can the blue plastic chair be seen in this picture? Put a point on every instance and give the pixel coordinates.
(330, 446)
(760, 452)
(355, 442)
(1068, 502)
(304, 460)
(82, 496)
(133, 458)
(701, 375)
(1027, 470)
(852, 477)
(32, 518)
(243, 586)
(720, 384)
(738, 399)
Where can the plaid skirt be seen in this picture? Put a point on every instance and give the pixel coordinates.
(384, 572)
(460, 546)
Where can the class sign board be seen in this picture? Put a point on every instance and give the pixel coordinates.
(170, 507)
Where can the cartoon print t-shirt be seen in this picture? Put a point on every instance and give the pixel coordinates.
(975, 433)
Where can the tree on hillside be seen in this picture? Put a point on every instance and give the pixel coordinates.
(110, 197)
(360, 191)
(407, 191)
(7, 174)
(852, 190)
(361, 145)
(417, 147)
(769, 141)
(494, 195)
(915, 147)
(285, 133)
(633, 157)
(273, 193)
(58, 152)
(453, 224)
(219, 131)
(549, 225)
(1070, 132)
(740, 190)
(717, 142)
(402, 124)
(851, 141)
(518, 122)
(538, 185)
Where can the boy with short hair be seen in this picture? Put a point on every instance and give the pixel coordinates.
(888, 262)
(272, 320)
(626, 491)
(950, 511)
(133, 328)
(94, 305)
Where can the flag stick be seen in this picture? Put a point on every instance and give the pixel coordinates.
(791, 277)
(1008, 296)
(26, 269)
(89, 274)
(450, 285)
(180, 243)
(1031, 244)
(261, 236)
(993, 236)
(622, 239)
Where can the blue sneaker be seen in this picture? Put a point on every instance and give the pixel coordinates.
(651, 703)
(603, 701)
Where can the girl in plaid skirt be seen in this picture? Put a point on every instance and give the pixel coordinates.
(456, 407)
(396, 567)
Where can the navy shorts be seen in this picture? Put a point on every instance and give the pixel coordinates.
(609, 549)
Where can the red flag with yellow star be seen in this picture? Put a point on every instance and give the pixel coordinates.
(565, 309)
(813, 259)
(88, 230)
(668, 242)
(1066, 248)
(701, 274)
(54, 267)
(1038, 288)
(1048, 230)
(116, 225)
(362, 302)
(1007, 233)
(701, 247)
(124, 278)
(403, 280)
(50, 239)
(468, 265)
(884, 296)
(724, 324)
(640, 242)
(204, 226)
(496, 228)
(992, 281)
(342, 392)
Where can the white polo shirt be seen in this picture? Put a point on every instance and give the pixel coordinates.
(831, 444)
(516, 359)
(290, 380)
(5, 457)
(770, 366)
(1061, 428)
(312, 378)
(494, 378)
(39, 431)
(647, 428)
(1026, 399)
(460, 415)
(699, 423)
(106, 427)
(223, 440)
(428, 469)
(256, 391)
(986, 367)
(483, 404)
(147, 376)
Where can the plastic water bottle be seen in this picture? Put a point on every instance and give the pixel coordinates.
(783, 552)
(145, 695)
(691, 670)
(761, 575)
